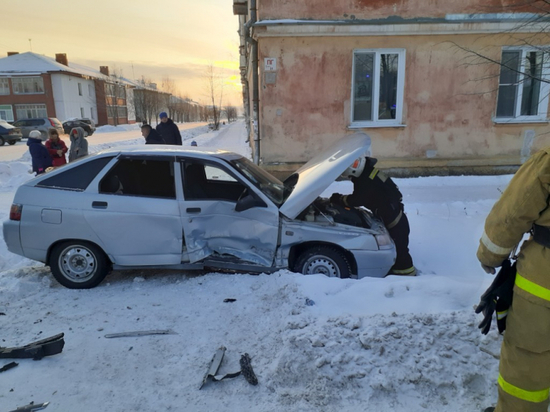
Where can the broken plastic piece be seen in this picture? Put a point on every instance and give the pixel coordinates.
(8, 366)
(141, 333)
(31, 407)
(36, 350)
(247, 371)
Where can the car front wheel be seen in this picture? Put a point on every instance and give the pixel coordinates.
(78, 264)
(2, 141)
(12, 142)
(323, 260)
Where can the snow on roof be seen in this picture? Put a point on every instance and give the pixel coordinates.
(32, 63)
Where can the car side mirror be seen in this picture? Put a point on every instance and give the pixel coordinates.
(247, 202)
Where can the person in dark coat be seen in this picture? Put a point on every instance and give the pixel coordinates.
(40, 156)
(376, 191)
(168, 129)
(151, 135)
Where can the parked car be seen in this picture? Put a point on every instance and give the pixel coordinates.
(42, 124)
(9, 133)
(191, 208)
(87, 124)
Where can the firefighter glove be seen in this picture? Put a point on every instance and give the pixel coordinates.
(498, 297)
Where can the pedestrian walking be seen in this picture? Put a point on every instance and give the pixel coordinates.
(524, 371)
(376, 191)
(40, 156)
(168, 130)
(57, 148)
(79, 144)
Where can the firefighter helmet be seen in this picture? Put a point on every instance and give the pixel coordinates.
(356, 168)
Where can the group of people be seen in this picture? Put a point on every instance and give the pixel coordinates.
(166, 132)
(52, 153)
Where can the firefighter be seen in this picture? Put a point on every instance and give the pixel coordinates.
(376, 191)
(524, 370)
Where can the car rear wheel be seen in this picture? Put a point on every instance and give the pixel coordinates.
(78, 264)
(2, 141)
(12, 142)
(323, 260)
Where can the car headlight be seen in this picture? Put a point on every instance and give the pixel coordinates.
(384, 241)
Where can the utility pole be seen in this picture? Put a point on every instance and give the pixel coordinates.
(30, 43)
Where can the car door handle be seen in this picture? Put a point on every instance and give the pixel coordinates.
(193, 210)
(99, 205)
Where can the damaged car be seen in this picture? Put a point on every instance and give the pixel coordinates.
(194, 208)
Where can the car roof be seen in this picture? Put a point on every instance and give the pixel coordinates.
(169, 150)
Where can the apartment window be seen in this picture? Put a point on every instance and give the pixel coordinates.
(82, 112)
(523, 85)
(80, 89)
(6, 112)
(4, 86)
(29, 111)
(377, 89)
(122, 111)
(27, 85)
(90, 90)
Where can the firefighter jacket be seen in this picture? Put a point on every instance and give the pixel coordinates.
(523, 203)
(376, 191)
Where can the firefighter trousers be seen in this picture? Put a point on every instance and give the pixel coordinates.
(524, 370)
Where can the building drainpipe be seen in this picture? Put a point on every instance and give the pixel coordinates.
(255, 81)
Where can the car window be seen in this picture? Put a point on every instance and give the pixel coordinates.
(140, 177)
(35, 122)
(272, 187)
(204, 181)
(20, 123)
(77, 178)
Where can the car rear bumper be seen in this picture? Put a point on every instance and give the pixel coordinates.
(374, 263)
(12, 237)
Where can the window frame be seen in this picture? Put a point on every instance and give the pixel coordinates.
(4, 86)
(542, 115)
(33, 82)
(398, 121)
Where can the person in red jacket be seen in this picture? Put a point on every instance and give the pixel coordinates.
(57, 148)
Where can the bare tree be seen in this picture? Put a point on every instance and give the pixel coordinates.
(147, 101)
(169, 86)
(214, 91)
(521, 64)
(230, 113)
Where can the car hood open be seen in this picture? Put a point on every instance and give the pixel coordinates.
(321, 171)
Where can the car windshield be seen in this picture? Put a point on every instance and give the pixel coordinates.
(272, 187)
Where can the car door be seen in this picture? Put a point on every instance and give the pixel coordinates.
(214, 228)
(135, 213)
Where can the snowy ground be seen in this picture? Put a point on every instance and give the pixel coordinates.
(393, 344)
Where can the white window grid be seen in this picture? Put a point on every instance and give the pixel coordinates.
(29, 111)
(544, 86)
(4, 86)
(28, 85)
(376, 92)
(6, 112)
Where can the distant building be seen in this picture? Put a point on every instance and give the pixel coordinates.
(33, 85)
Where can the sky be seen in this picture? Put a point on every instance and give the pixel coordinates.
(174, 38)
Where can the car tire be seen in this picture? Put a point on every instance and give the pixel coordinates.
(79, 264)
(2, 141)
(323, 260)
(12, 142)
